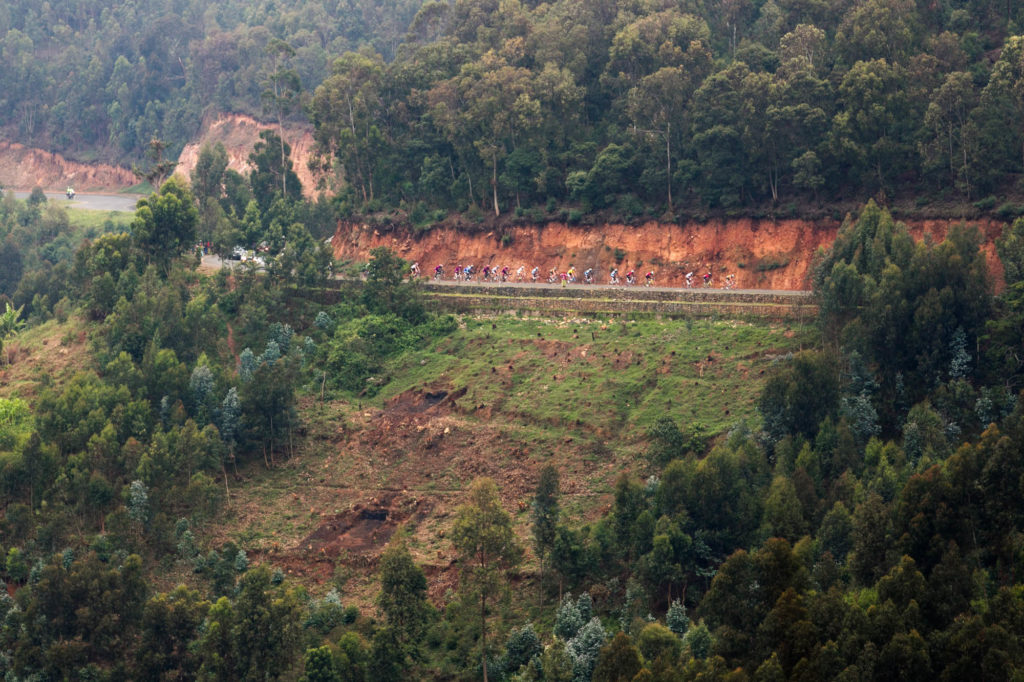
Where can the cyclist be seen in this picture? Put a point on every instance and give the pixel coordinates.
(613, 276)
(571, 273)
(689, 280)
(467, 272)
(588, 276)
(552, 276)
(630, 277)
(521, 273)
(439, 272)
(415, 268)
(458, 273)
(504, 273)
(535, 273)
(649, 278)
(707, 279)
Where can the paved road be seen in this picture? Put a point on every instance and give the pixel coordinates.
(636, 287)
(93, 202)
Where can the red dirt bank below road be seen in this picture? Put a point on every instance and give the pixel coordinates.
(763, 254)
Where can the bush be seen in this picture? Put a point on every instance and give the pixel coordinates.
(1010, 210)
(986, 204)
(629, 206)
(772, 262)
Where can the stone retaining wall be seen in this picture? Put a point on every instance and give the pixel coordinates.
(469, 302)
(469, 298)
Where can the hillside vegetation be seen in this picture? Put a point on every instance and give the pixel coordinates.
(218, 477)
(636, 108)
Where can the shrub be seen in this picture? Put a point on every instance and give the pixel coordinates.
(986, 204)
(1010, 210)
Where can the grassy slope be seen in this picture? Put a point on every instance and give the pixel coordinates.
(579, 393)
(87, 220)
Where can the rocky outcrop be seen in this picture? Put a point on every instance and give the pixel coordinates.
(762, 254)
(26, 167)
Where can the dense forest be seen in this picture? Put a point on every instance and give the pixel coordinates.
(93, 79)
(640, 108)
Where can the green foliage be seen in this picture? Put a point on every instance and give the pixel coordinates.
(386, 292)
(568, 620)
(900, 304)
(116, 596)
(171, 622)
(800, 395)
(545, 512)
(403, 596)
(585, 648)
(236, 643)
(487, 547)
(618, 661)
(656, 640)
(15, 422)
(326, 614)
(668, 442)
(165, 224)
(1010, 247)
(522, 647)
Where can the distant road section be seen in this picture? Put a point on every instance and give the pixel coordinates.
(94, 202)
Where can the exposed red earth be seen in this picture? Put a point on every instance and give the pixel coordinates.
(763, 254)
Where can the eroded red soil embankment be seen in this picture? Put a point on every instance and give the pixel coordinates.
(238, 133)
(26, 167)
(763, 254)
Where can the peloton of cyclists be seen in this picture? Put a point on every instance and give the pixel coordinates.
(492, 273)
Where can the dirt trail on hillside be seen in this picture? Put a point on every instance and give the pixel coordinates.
(762, 254)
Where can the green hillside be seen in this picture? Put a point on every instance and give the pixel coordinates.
(216, 476)
(244, 473)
